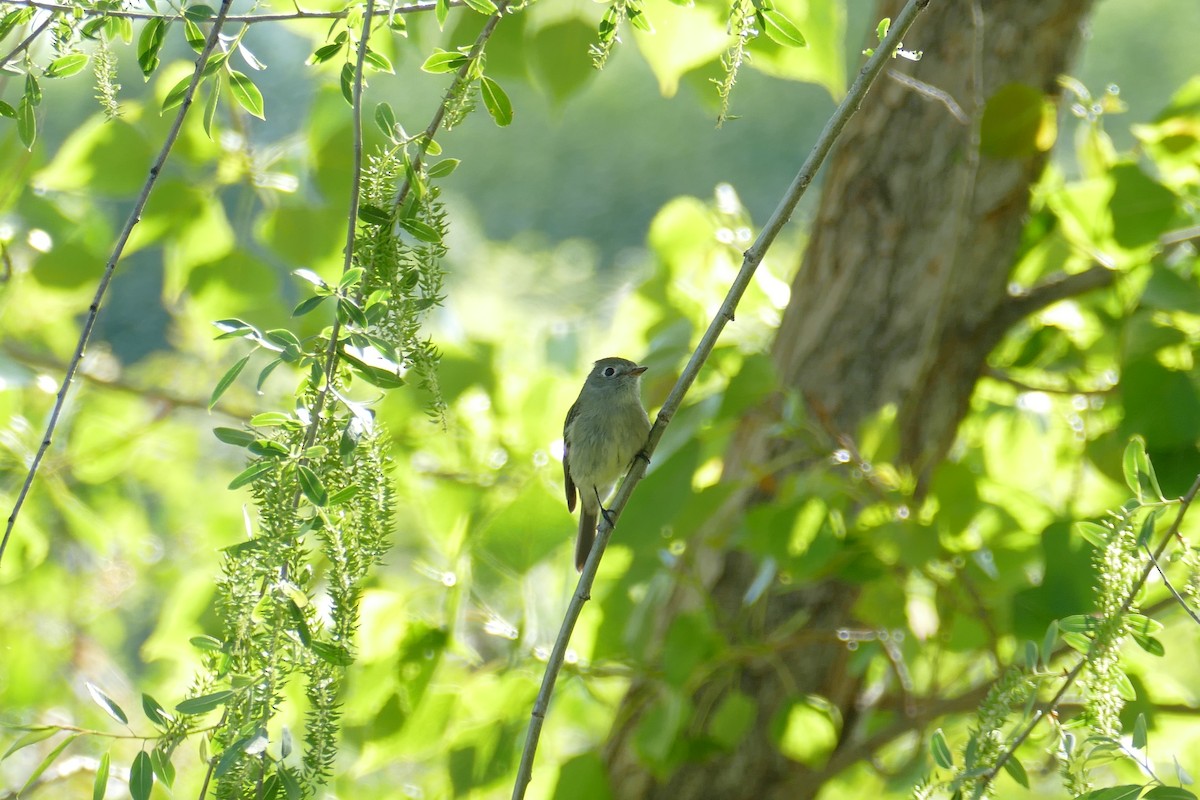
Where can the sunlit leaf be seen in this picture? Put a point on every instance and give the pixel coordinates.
(107, 703)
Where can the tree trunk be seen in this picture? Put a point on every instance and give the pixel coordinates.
(900, 299)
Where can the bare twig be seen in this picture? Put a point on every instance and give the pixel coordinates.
(933, 93)
(751, 259)
(1167, 582)
(135, 215)
(1051, 291)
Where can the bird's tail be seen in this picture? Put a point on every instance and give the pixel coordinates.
(587, 535)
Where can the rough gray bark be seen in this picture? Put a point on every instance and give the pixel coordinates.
(902, 295)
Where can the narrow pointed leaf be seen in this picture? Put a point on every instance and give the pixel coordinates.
(227, 380)
(107, 703)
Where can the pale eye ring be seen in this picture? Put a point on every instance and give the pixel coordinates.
(609, 372)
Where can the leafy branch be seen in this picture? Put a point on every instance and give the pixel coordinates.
(298, 14)
(751, 260)
(110, 266)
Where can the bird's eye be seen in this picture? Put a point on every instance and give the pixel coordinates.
(609, 372)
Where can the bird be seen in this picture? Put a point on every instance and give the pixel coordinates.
(605, 429)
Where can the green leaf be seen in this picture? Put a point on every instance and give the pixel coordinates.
(347, 82)
(312, 277)
(32, 737)
(207, 644)
(250, 473)
(332, 653)
(374, 215)
(1169, 793)
(1148, 643)
(441, 10)
(268, 449)
(1140, 738)
(193, 35)
(1077, 623)
(33, 89)
(204, 703)
(443, 61)
(485, 7)
(234, 436)
(14, 18)
(1077, 641)
(1048, 642)
(47, 761)
(175, 96)
(150, 42)
(940, 750)
(350, 278)
(234, 327)
(246, 93)
(154, 712)
(780, 29)
(141, 777)
(227, 380)
(283, 337)
(272, 419)
(266, 373)
(443, 168)
(1139, 473)
(342, 495)
(348, 311)
(496, 101)
(210, 107)
(1016, 771)
(1140, 623)
(308, 305)
(377, 61)
(7, 111)
(426, 233)
(107, 703)
(312, 486)
(26, 122)
(1142, 208)
(385, 118)
(66, 65)
(100, 784)
(1094, 533)
(164, 770)
(1126, 792)
(376, 376)
(1018, 122)
(326, 52)
(199, 13)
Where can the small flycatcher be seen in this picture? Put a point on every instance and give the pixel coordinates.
(605, 429)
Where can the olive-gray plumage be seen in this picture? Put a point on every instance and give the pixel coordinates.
(605, 428)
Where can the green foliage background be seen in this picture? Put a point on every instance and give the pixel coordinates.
(593, 225)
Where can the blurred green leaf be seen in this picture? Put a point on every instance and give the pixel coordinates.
(1018, 122)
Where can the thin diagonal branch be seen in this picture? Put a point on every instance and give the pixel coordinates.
(135, 215)
(751, 259)
(1170, 587)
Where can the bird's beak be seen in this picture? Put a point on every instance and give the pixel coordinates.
(637, 370)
